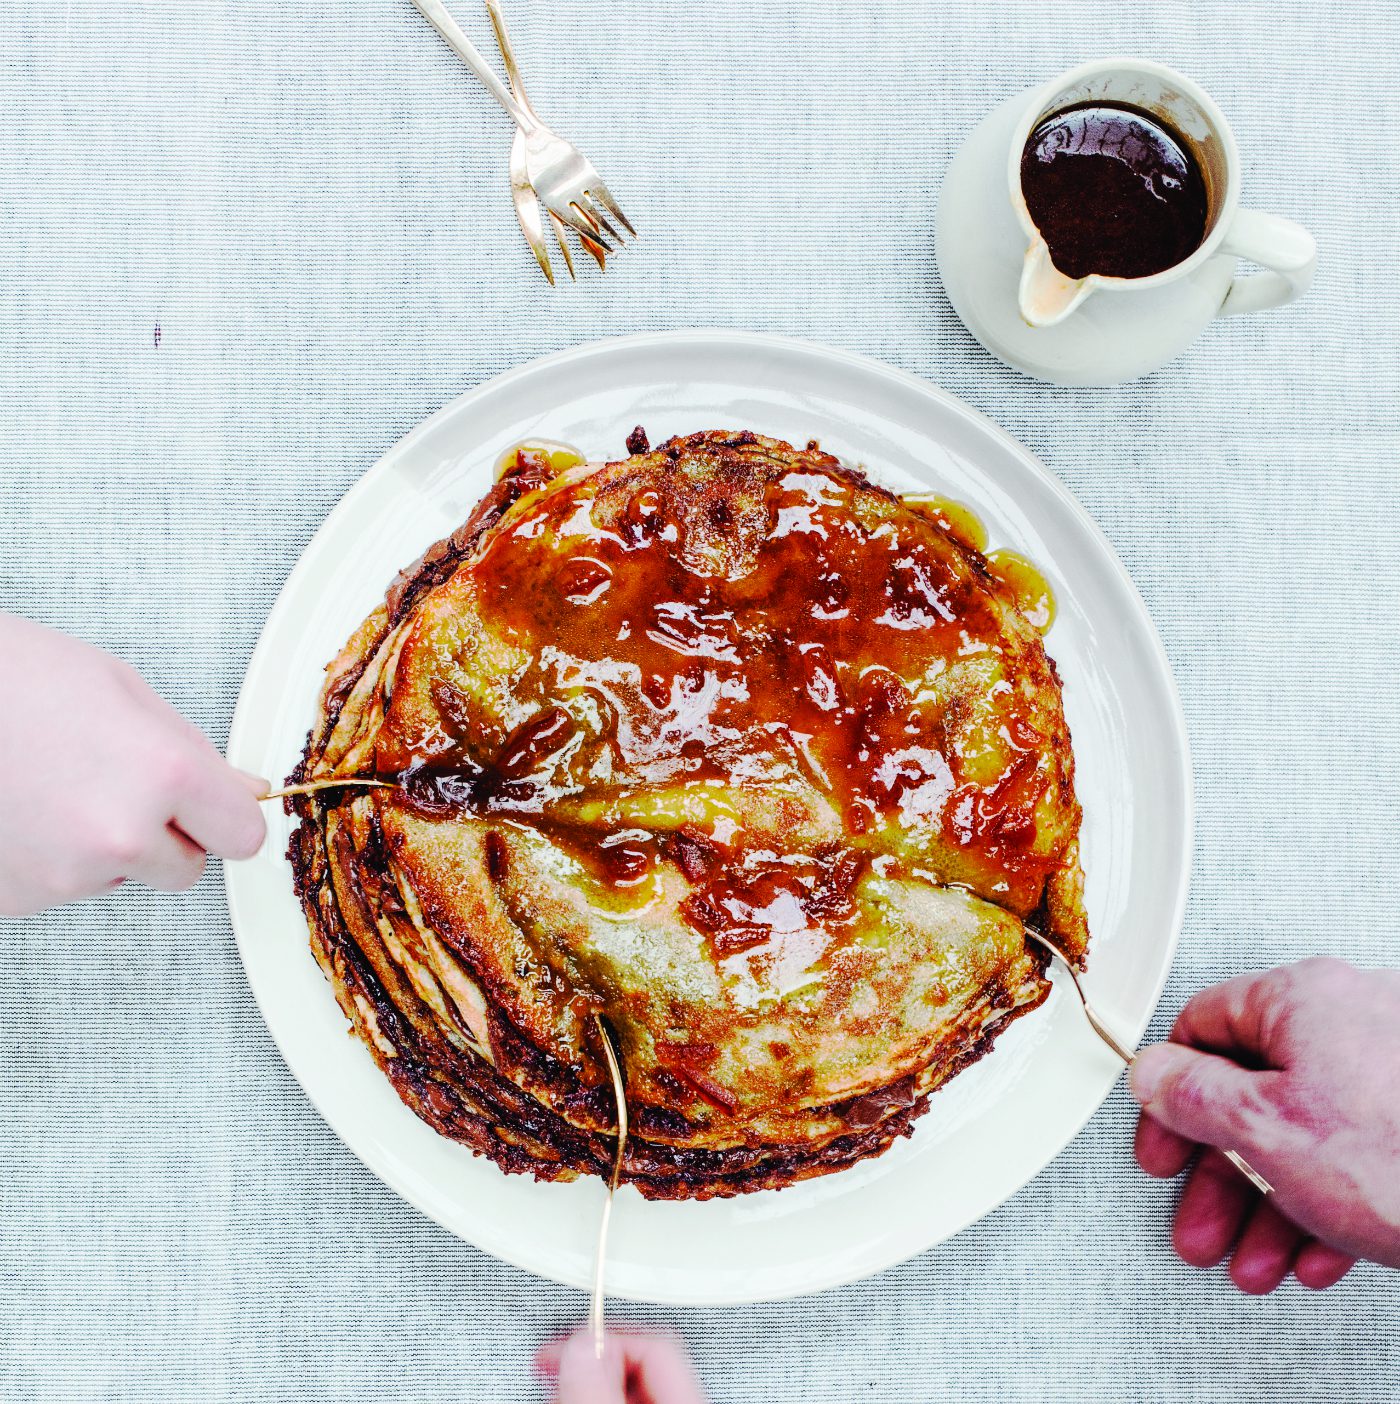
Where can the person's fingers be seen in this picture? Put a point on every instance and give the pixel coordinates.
(660, 1372)
(1319, 1267)
(1266, 1250)
(584, 1377)
(1238, 1015)
(215, 806)
(1161, 1152)
(1212, 1212)
(655, 1367)
(1204, 1098)
(547, 1356)
(171, 863)
(178, 725)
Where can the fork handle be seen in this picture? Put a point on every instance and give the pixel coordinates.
(435, 12)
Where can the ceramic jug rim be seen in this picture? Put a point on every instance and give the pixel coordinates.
(1036, 101)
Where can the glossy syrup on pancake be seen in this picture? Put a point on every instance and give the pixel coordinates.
(535, 456)
(726, 640)
(1034, 596)
(719, 743)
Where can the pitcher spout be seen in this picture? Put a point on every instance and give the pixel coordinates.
(1046, 295)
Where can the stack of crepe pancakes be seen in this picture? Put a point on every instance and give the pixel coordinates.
(720, 746)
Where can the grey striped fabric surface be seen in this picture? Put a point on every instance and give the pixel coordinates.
(249, 243)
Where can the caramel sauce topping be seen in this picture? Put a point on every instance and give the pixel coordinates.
(956, 518)
(1030, 589)
(776, 679)
(538, 456)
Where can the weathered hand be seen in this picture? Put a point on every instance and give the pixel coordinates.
(101, 780)
(1297, 1069)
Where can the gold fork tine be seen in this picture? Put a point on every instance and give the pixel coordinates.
(1129, 1057)
(599, 251)
(602, 193)
(581, 222)
(527, 209)
(330, 782)
(596, 214)
(560, 238)
(586, 210)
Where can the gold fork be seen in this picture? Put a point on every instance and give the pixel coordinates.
(567, 184)
(1128, 1056)
(522, 193)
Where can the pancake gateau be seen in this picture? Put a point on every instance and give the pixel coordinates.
(722, 743)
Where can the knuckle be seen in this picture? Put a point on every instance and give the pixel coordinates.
(1270, 1007)
(65, 877)
(1322, 972)
(119, 845)
(1322, 965)
(172, 770)
(1320, 978)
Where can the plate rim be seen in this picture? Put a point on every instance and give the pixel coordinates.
(1146, 628)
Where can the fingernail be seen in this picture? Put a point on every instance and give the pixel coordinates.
(1149, 1068)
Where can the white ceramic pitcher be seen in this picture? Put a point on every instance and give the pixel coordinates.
(1100, 330)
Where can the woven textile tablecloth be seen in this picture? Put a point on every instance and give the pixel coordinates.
(247, 244)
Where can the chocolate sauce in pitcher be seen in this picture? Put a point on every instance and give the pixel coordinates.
(1113, 190)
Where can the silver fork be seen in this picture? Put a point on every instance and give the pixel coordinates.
(522, 193)
(566, 182)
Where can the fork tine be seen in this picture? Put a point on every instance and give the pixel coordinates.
(602, 230)
(558, 225)
(595, 248)
(596, 214)
(586, 210)
(577, 221)
(527, 209)
(601, 192)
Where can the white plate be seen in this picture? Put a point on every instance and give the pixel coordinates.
(995, 1126)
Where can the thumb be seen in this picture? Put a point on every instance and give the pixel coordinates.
(256, 783)
(1200, 1096)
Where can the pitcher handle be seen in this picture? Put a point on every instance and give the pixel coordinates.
(1287, 253)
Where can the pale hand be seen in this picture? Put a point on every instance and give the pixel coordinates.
(1297, 1069)
(637, 1367)
(101, 780)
